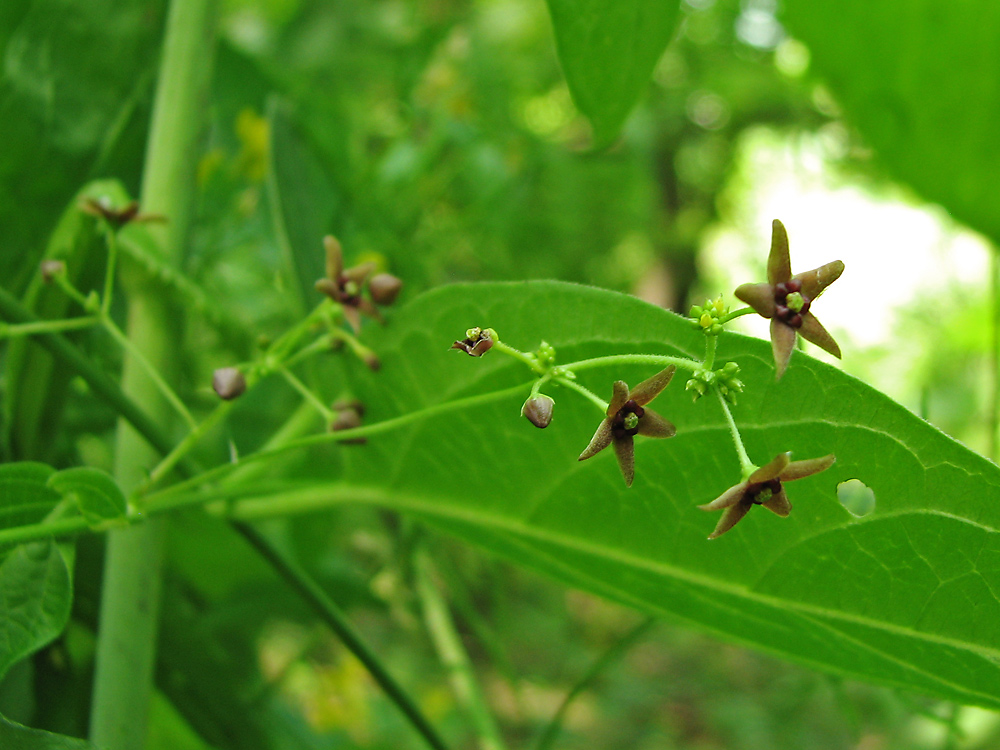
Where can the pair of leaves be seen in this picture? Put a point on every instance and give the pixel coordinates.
(904, 596)
(35, 579)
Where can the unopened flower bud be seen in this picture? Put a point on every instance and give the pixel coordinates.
(697, 388)
(384, 288)
(52, 268)
(538, 410)
(343, 404)
(372, 361)
(228, 383)
(477, 341)
(348, 419)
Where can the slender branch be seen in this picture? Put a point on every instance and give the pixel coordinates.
(517, 354)
(746, 465)
(585, 392)
(735, 314)
(609, 657)
(311, 398)
(387, 425)
(109, 273)
(151, 371)
(337, 621)
(452, 653)
(45, 326)
(634, 359)
(711, 343)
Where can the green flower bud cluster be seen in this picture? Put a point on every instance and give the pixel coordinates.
(725, 379)
(546, 354)
(706, 317)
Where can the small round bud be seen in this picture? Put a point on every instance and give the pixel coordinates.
(538, 410)
(695, 311)
(730, 369)
(52, 268)
(348, 419)
(372, 361)
(720, 307)
(706, 320)
(384, 288)
(228, 383)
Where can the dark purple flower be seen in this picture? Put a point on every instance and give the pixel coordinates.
(627, 417)
(763, 487)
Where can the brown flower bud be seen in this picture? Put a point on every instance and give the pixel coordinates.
(228, 383)
(384, 288)
(538, 410)
(52, 268)
(347, 419)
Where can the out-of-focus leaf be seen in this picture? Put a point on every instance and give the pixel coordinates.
(68, 94)
(904, 596)
(17, 737)
(918, 79)
(96, 494)
(608, 51)
(303, 201)
(25, 497)
(36, 386)
(35, 598)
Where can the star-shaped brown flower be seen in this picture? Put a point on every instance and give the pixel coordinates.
(346, 285)
(763, 487)
(627, 417)
(786, 300)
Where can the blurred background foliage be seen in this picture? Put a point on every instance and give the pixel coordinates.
(439, 139)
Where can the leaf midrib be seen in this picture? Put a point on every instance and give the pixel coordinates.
(318, 497)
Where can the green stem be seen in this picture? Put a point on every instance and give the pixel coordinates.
(311, 398)
(361, 351)
(336, 619)
(711, 343)
(155, 499)
(746, 465)
(517, 354)
(452, 653)
(609, 657)
(151, 371)
(187, 444)
(319, 346)
(634, 359)
(109, 273)
(45, 326)
(102, 385)
(736, 314)
(129, 610)
(586, 392)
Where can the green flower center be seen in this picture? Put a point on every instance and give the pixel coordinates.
(794, 301)
(631, 421)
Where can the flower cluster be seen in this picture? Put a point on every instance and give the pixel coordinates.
(785, 299)
(346, 286)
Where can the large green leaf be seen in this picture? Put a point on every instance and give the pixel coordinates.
(35, 598)
(303, 201)
(608, 51)
(16, 737)
(904, 596)
(918, 79)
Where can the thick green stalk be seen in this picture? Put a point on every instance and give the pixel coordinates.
(130, 595)
(452, 654)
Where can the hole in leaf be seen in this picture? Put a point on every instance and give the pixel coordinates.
(857, 497)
